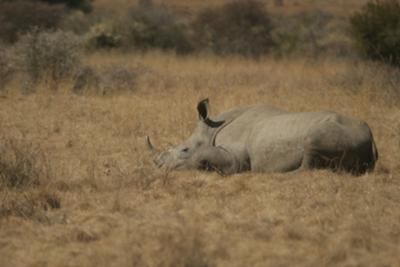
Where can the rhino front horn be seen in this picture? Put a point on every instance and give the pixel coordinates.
(149, 144)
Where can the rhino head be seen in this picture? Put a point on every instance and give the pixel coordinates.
(190, 153)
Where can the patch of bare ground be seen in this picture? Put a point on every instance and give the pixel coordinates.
(99, 201)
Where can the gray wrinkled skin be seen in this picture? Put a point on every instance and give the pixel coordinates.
(266, 139)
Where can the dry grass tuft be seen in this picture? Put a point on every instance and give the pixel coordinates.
(20, 165)
(30, 204)
(25, 190)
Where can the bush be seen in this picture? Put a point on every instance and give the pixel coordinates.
(376, 29)
(106, 35)
(155, 27)
(7, 68)
(239, 27)
(77, 22)
(19, 17)
(49, 56)
(117, 78)
(106, 80)
(306, 33)
(84, 5)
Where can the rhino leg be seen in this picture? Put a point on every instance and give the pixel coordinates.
(215, 159)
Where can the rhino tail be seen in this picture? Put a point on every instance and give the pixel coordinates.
(374, 151)
(373, 156)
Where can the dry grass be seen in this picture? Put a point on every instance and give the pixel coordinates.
(116, 209)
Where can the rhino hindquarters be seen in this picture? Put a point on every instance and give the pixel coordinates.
(335, 147)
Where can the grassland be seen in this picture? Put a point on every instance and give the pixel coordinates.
(98, 200)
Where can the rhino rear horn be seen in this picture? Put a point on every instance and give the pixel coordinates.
(202, 109)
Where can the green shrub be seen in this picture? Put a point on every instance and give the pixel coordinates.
(49, 56)
(150, 26)
(239, 27)
(19, 17)
(376, 29)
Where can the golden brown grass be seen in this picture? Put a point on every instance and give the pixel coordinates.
(116, 209)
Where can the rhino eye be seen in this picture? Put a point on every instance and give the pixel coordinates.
(185, 149)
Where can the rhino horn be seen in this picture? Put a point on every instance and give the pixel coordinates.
(158, 158)
(150, 145)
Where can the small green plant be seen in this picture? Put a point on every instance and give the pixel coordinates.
(239, 27)
(376, 30)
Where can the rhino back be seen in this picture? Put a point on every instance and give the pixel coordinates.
(240, 122)
(280, 140)
(234, 134)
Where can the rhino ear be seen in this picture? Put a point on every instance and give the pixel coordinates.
(202, 108)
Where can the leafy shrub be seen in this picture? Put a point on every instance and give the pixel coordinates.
(239, 27)
(49, 56)
(18, 17)
(376, 29)
(150, 26)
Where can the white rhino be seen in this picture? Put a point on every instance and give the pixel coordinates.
(267, 139)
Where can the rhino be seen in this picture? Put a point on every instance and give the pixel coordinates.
(264, 138)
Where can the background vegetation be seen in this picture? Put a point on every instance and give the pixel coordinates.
(78, 96)
(376, 29)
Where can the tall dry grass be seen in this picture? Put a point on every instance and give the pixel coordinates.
(117, 209)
